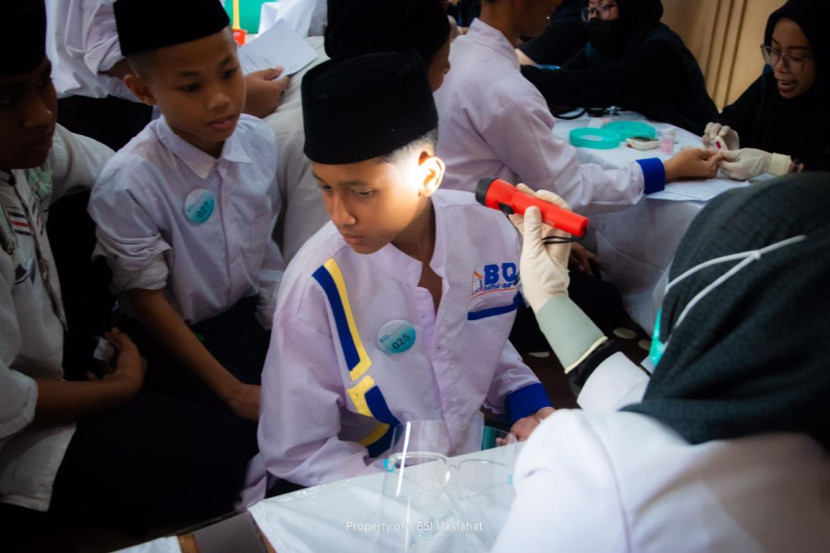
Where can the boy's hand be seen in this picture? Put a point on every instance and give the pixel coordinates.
(244, 401)
(692, 163)
(523, 427)
(581, 259)
(264, 91)
(130, 367)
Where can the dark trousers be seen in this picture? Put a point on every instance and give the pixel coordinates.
(158, 464)
(110, 120)
(234, 337)
(85, 284)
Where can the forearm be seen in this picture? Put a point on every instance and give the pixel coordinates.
(119, 70)
(62, 402)
(159, 317)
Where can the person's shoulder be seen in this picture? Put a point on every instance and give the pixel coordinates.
(143, 160)
(253, 130)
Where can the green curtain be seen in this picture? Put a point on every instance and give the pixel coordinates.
(248, 13)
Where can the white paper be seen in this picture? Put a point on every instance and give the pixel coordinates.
(278, 46)
(700, 191)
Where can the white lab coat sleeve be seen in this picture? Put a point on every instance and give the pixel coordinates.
(132, 245)
(542, 161)
(567, 497)
(515, 391)
(18, 392)
(302, 394)
(76, 161)
(614, 384)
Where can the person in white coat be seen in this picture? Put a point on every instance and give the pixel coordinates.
(495, 123)
(727, 448)
(399, 309)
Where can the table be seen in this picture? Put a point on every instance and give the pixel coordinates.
(348, 516)
(636, 245)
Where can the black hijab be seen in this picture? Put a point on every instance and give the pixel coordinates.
(637, 19)
(793, 126)
(753, 355)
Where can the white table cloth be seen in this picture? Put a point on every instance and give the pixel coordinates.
(636, 246)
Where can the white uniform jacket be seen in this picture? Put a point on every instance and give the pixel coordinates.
(492, 122)
(139, 204)
(82, 43)
(599, 480)
(334, 385)
(31, 315)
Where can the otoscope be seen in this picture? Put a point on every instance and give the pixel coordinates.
(498, 194)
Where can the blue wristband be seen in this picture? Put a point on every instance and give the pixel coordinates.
(654, 175)
(526, 401)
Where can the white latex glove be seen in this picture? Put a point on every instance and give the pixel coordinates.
(543, 267)
(714, 131)
(747, 163)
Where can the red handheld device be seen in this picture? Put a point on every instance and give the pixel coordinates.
(505, 197)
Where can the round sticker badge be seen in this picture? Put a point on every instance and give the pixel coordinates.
(396, 336)
(198, 206)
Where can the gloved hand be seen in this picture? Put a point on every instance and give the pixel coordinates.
(747, 163)
(727, 133)
(544, 267)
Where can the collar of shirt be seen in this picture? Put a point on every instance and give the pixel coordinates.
(482, 33)
(198, 161)
(408, 269)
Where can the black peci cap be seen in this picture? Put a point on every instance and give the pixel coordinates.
(366, 105)
(145, 25)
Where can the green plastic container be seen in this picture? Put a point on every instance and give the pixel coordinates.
(598, 139)
(627, 129)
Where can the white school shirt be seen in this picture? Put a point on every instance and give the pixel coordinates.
(331, 395)
(492, 122)
(32, 318)
(139, 201)
(304, 212)
(82, 42)
(598, 480)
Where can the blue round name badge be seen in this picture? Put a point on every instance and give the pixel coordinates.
(396, 336)
(198, 206)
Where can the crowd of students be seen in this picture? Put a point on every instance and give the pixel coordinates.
(240, 366)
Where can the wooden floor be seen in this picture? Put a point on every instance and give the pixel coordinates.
(550, 372)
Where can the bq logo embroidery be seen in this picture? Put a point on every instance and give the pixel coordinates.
(494, 277)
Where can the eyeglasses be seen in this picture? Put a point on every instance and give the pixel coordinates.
(420, 472)
(793, 64)
(601, 12)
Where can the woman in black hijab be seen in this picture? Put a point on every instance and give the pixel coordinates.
(631, 61)
(727, 449)
(782, 119)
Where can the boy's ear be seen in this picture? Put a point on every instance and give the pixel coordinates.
(140, 89)
(431, 172)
